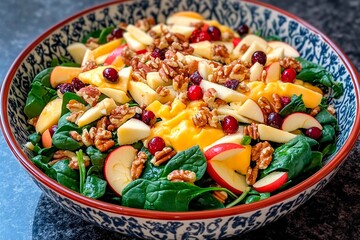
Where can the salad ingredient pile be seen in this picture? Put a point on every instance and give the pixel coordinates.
(184, 115)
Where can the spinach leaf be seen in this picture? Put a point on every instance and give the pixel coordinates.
(61, 138)
(161, 195)
(63, 174)
(94, 187)
(41, 162)
(103, 35)
(296, 105)
(63, 61)
(316, 74)
(324, 117)
(43, 77)
(82, 169)
(273, 38)
(66, 98)
(97, 158)
(37, 99)
(93, 34)
(327, 134)
(330, 148)
(291, 157)
(315, 163)
(47, 151)
(254, 196)
(205, 201)
(34, 138)
(246, 140)
(191, 159)
(151, 172)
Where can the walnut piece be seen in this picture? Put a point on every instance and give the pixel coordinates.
(90, 94)
(289, 62)
(138, 165)
(120, 115)
(251, 174)
(89, 65)
(315, 111)
(262, 154)
(251, 131)
(163, 156)
(76, 108)
(206, 117)
(103, 140)
(182, 176)
(220, 195)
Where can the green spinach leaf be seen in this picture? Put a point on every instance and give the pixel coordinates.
(63, 174)
(41, 162)
(324, 117)
(96, 156)
(151, 172)
(94, 187)
(66, 98)
(327, 134)
(296, 105)
(93, 34)
(43, 77)
(34, 138)
(103, 35)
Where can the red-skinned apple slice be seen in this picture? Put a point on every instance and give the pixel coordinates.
(299, 120)
(289, 51)
(117, 168)
(46, 139)
(114, 54)
(223, 151)
(273, 72)
(271, 182)
(226, 177)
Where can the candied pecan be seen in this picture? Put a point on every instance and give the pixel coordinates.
(220, 53)
(103, 122)
(145, 24)
(277, 105)
(163, 156)
(120, 115)
(92, 43)
(209, 97)
(182, 176)
(290, 62)
(243, 87)
(89, 65)
(74, 164)
(265, 105)
(75, 135)
(138, 165)
(206, 117)
(181, 83)
(251, 131)
(162, 91)
(220, 195)
(87, 138)
(315, 111)
(103, 140)
(262, 154)
(251, 174)
(234, 70)
(90, 94)
(331, 109)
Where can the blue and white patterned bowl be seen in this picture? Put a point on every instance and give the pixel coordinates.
(213, 224)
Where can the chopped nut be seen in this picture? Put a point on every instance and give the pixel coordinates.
(162, 91)
(74, 116)
(265, 105)
(220, 53)
(103, 122)
(315, 111)
(262, 154)
(163, 156)
(74, 164)
(145, 24)
(277, 105)
(103, 139)
(86, 137)
(209, 97)
(251, 131)
(120, 115)
(220, 195)
(90, 94)
(206, 117)
(289, 62)
(76, 108)
(331, 109)
(182, 176)
(89, 65)
(181, 83)
(75, 135)
(138, 165)
(251, 175)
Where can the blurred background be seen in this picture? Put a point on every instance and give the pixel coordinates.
(26, 213)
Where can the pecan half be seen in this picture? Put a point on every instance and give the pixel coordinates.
(220, 195)
(120, 115)
(206, 117)
(103, 139)
(76, 108)
(262, 154)
(251, 174)
(182, 176)
(138, 165)
(163, 156)
(289, 62)
(251, 131)
(90, 94)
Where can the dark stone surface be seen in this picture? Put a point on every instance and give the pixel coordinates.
(334, 213)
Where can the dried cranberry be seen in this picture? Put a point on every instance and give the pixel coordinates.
(156, 144)
(232, 84)
(53, 129)
(158, 53)
(243, 29)
(275, 120)
(288, 75)
(198, 36)
(313, 132)
(196, 78)
(195, 93)
(77, 83)
(117, 33)
(111, 74)
(285, 100)
(148, 117)
(230, 124)
(258, 56)
(215, 33)
(138, 116)
(65, 87)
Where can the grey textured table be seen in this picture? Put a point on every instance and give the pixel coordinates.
(334, 213)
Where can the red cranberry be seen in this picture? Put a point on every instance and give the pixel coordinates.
(77, 83)
(195, 93)
(275, 120)
(285, 100)
(117, 33)
(288, 75)
(111, 74)
(196, 78)
(156, 144)
(214, 33)
(232, 84)
(313, 132)
(198, 36)
(230, 125)
(243, 29)
(53, 129)
(148, 117)
(65, 87)
(158, 53)
(258, 56)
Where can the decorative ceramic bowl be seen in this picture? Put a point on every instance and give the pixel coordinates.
(211, 224)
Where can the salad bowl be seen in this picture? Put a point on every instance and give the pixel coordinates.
(211, 224)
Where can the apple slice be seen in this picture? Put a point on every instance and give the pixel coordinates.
(107, 48)
(226, 110)
(230, 138)
(142, 93)
(154, 80)
(205, 69)
(114, 54)
(100, 109)
(139, 34)
(256, 71)
(289, 51)
(117, 167)
(223, 151)
(132, 131)
(88, 57)
(77, 51)
(299, 120)
(185, 30)
(62, 74)
(133, 43)
(271, 182)
(223, 92)
(248, 40)
(49, 116)
(274, 55)
(46, 139)
(255, 46)
(119, 96)
(267, 133)
(250, 109)
(273, 72)
(182, 20)
(203, 49)
(226, 177)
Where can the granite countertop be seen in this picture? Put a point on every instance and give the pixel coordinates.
(25, 213)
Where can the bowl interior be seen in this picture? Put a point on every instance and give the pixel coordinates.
(52, 44)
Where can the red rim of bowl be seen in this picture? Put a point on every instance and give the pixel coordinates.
(150, 214)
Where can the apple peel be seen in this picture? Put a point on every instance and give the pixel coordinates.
(223, 151)
(271, 182)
